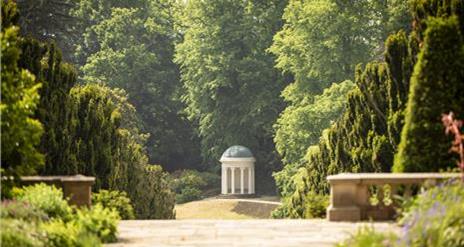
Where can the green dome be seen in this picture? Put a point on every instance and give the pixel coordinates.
(237, 151)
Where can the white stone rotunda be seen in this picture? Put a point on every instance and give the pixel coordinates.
(238, 171)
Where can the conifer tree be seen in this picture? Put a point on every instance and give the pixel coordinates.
(436, 88)
(21, 131)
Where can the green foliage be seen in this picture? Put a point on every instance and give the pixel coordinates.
(98, 220)
(299, 202)
(131, 46)
(49, 20)
(400, 60)
(434, 218)
(22, 210)
(54, 109)
(61, 234)
(318, 51)
(21, 131)
(39, 216)
(116, 200)
(300, 126)
(315, 205)
(188, 194)
(190, 185)
(110, 146)
(367, 237)
(18, 232)
(363, 138)
(156, 199)
(231, 88)
(44, 198)
(436, 88)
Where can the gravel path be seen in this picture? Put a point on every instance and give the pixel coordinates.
(317, 232)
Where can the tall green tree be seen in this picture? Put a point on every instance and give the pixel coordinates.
(130, 45)
(231, 88)
(320, 43)
(50, 21)
(21, 130)
(109, 146)
(436, 88)
(323, 40)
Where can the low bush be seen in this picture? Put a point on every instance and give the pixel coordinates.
(367, 237)
(312, 205)
(21, 210)
(61, 234)
(315, 205)
(39, 216)
(191, 185)
(99, 221)
(188, 194)
(117, 200)
(19, 232)
(435, 217)
(46, 198)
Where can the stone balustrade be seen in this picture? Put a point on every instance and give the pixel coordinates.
(366, 196)
(77, 188)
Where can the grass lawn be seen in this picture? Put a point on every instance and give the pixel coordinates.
(223, 209)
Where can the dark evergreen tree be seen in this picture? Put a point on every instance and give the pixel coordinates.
(436, 88)
(21, 131)
(50, 21)
(109, 146)
(54, 107)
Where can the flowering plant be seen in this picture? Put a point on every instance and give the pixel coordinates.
(453, 126)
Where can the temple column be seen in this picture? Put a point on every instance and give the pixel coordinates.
(224, 180)
(242, 181)
(232, 186)
(249, 180)
(252, 180)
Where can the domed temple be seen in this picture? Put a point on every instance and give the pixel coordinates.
(238, 171)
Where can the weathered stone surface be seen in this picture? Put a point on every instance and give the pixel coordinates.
(350, 193)
(317, 232)
(77, 188)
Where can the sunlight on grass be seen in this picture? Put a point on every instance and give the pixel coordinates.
(209, 209)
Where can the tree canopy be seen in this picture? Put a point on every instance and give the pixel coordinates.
(231, 88)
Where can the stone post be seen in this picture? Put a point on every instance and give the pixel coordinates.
(344, 201)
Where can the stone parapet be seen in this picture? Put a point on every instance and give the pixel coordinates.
(371, 196)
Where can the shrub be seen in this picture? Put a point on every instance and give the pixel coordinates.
(43, 197)
(116, 200)
(99, 221)
(315, 205)
(157, 200)
(187, 178)
(188, 194)
(191, 185)
(61, 234)
(18, 232)
(368, 237)
(21, 210)
(435, 217)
